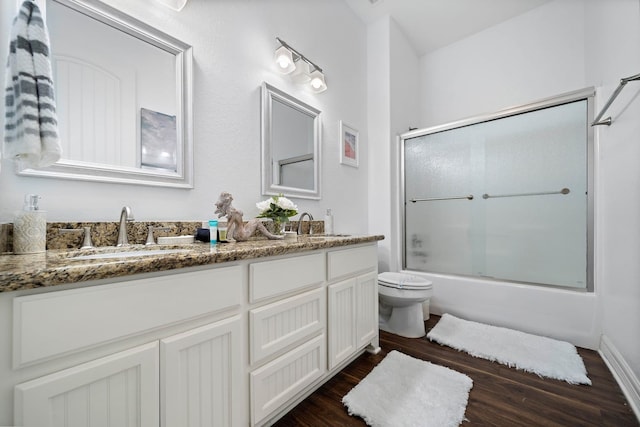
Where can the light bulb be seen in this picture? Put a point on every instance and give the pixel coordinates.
(316, 83)
(283, 62)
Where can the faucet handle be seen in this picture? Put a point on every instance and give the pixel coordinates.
(150, 239)
(87, 243)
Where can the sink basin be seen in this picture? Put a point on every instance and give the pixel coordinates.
(325, 236)
(130, 254)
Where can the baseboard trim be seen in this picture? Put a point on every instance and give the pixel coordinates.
(627, 380)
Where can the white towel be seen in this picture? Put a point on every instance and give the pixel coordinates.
(31, 124)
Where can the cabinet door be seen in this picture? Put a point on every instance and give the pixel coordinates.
(367, 309)
(201, 376)
(117, 390)
(342, 321)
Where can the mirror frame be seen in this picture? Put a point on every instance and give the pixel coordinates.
(87, 171)
(269, 93)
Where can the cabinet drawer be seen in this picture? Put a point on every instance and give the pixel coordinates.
(278, 325)
(349, 261)
(55, 323)
(281, 380)
(272, 278)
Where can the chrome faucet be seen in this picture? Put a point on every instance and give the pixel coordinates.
(300, 223)
(125, 216)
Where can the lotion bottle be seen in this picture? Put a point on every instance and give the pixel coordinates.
(328, 223)
(30, 228)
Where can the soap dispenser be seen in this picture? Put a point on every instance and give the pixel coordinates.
(30, 228)
(328, 223)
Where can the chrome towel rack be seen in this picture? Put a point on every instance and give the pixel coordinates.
(614, 95)
(469, 197)
(541, 193)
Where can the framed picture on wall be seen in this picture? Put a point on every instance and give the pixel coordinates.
(349, 145)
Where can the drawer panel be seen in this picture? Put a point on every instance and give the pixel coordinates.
(272, 278)
(350, 261)
(278, 325)
(277, 382)
(51, 324)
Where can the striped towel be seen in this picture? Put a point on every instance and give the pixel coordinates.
(31, 125)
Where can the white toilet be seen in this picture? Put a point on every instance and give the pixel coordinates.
(401, 297)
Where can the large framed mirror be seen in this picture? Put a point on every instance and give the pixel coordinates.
(290, 145)
(124, 98)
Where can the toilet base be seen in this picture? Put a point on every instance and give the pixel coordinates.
(404, 321)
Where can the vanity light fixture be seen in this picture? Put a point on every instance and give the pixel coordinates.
(301, 69)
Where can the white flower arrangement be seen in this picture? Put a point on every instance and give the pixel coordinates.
(278, 208)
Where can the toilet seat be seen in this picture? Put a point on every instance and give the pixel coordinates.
(403, 281)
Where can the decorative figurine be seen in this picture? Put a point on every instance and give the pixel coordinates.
(236, 228)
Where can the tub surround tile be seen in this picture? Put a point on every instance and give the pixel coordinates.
(57, 266)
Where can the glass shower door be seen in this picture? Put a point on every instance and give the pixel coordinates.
(505, 199)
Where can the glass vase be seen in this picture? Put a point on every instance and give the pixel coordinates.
(279, 226)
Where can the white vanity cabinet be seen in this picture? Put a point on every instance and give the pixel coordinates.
(325, 312)
(178, 378)
(226, 345)
(353, 302)
(287, 333)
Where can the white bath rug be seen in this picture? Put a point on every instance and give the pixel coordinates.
(403, 391)
(546, 357)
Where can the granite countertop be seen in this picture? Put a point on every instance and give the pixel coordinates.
(56, 267)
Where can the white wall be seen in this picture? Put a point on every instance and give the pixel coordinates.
(533, 56)
(561, 46)
(379, 117)
(392, 108)
(613, 43)
(233, 45)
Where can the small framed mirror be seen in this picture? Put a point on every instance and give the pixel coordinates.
(290, 145)
(124, 95)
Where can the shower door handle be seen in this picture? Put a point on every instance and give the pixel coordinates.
(469, 197)
(541, 193)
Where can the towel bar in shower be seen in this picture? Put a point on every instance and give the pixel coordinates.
(469, 197)
(614, 95)
(541, 193)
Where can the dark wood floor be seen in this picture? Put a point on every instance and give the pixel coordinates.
(500, 396)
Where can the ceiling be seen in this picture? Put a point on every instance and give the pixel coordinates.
(432, 24)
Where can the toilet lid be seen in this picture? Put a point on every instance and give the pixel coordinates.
(403, 281)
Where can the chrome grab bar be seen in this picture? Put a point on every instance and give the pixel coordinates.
(541, 193)
(469, 197)
(614, 95)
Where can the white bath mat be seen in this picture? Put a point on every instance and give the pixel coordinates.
(402, 391)
(532, 353)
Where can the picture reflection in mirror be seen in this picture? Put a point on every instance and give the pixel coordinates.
(158, 140)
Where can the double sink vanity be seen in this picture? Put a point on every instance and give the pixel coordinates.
(165, 335)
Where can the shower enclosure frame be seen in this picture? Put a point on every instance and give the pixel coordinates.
(587, 94)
